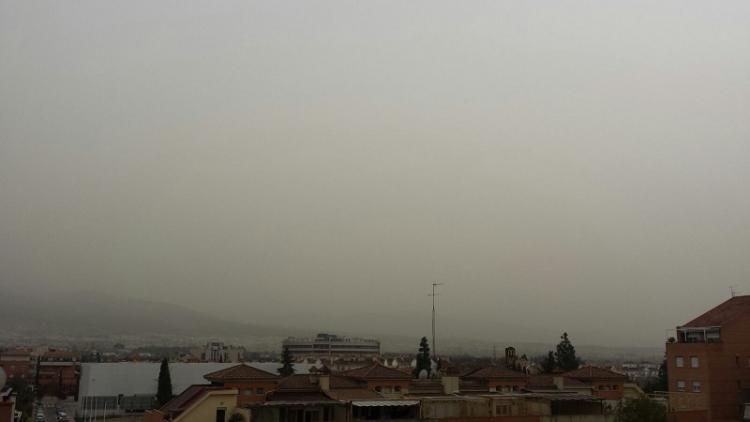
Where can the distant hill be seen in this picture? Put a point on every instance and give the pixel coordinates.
(88, 314)
(85, 316)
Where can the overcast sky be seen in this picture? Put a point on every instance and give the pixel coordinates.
(559, 165)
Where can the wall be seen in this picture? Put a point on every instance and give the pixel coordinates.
(248, 390)
(205, 410)
(724, 369)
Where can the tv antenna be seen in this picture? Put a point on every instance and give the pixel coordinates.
(434, 346)
(732, 290)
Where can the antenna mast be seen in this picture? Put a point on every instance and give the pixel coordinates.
(434, 346)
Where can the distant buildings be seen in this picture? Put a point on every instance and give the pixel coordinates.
(218, 352)
(331, 345)
(709, 364)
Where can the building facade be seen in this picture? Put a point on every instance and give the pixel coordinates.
(331, 345)
(709, 359)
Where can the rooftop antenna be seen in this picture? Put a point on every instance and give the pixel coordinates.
(732, 290)
(434, 346)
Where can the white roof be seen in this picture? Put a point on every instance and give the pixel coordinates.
(140, 378)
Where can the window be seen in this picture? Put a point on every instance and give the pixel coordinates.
(378, 388)
(221, 414)
(398, 388)
(696, 387)
(680, 385)
(247, 392)
(260, 391)
(694, 362)
(679, 361)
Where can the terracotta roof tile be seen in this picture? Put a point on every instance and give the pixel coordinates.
(494, 372)
(592, 372)
(239, 372)
(182, 401)
(723, 313)
(339, 382)
(349, 394)
(297, 382)
(376, 370)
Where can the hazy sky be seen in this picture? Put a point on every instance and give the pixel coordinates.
(565, 165)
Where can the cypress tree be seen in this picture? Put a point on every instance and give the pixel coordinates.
(566, 354)
(164, 392)
(423, 358)
(286, 368)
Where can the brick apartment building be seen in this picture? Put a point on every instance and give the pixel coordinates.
(17, 364)
(57, 373)
(709, 362)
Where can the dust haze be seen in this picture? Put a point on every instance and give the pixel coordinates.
(573, 166)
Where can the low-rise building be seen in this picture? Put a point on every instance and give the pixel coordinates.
(198, 403)
(253, 384)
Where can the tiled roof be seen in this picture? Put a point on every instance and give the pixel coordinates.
(239, 372)
(181, 402)
(297, 383)
(298, 396)
(350, 394)
(376, 370)
(593, 372)
(339, 382)
(547, 382)
(494, 372)
(725, 312)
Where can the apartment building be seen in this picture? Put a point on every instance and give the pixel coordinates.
(709, 362)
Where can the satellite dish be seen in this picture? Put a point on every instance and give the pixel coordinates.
(3, 378)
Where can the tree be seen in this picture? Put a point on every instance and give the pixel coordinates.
(548, 364)
(641, 409)
(24, 396)
(287, 367)
(566, 354)
(423, 358)
(164, 391)
(660, 383)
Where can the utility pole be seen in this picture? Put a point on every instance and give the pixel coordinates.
(434, 346)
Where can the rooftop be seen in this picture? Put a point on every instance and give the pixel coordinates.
(593, 372)
(239, 372)
(376, 370)
(723, 313)
(494, 372)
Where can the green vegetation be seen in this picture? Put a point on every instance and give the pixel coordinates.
(423, 358)
(164, 391)
(287, 367)
(566, 354)
(640, 410)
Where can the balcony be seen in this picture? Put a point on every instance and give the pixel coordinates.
(699, 334)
